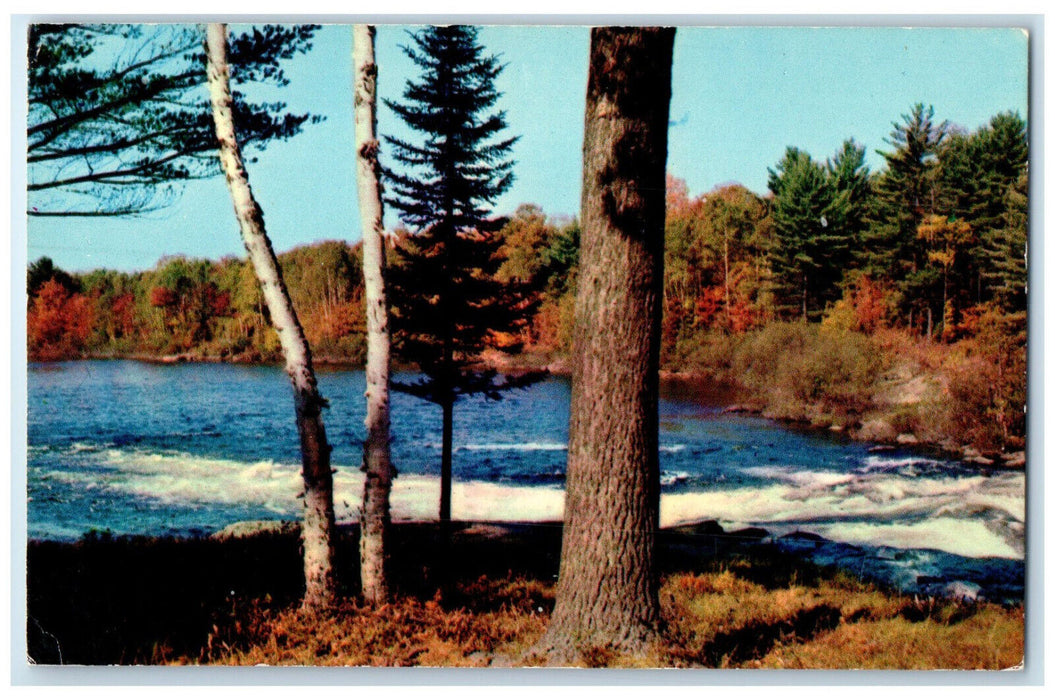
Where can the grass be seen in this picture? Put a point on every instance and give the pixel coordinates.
(726, 604)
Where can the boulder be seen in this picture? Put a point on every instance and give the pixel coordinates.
(250, 528)
(967, 591)
(876, 430)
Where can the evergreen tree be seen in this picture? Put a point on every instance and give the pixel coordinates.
(978, 173)
(817, 212)
(448, 306)
(607, 593)
(1005, 251)
(906, 192)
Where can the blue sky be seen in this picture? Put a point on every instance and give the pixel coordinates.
(741, 95)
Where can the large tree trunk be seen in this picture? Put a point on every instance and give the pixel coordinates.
(607, 593)
(319, 529)
(377, 454)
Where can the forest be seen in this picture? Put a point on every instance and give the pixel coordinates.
(926, 257)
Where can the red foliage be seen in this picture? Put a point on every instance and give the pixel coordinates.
(123, 311)
(217, 303)
(58, 323)
(742, 316)
(162, 297)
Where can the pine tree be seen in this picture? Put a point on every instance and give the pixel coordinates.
(117, 116)
(906, 192)
(607, 593)
(816, 211)
(978, 173)
(447, 304)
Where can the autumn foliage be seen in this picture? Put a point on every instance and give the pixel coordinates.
(59, 322)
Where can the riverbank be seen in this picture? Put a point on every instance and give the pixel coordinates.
(958, 400)
(729, 600)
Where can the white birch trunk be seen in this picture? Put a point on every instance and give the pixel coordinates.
(377, 457)
(319, 528)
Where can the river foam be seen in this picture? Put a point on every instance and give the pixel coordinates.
(972, 515)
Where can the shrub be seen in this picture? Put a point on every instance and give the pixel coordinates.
(802, 368)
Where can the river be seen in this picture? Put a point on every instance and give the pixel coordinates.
(139, 448)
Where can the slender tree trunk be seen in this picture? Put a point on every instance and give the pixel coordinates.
(319, 529)
(725, 259)
(805, 317)
(607, 592)
(945, 302)
(377, 454)
(446, 460)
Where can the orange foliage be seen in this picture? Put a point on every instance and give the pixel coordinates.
(742, 316)
(708, 303)
(678, 202)
(865, 306)
(59, 323)
(545, 327)
(871, 304)
(162, 297)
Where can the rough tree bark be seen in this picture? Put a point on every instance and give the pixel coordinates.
(607, 592)
(377, 455)
(318, 528)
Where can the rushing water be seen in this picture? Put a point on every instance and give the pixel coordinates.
(141, 448)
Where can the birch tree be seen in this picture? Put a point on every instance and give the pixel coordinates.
(318, 530)
(377, 456)
(607, 591)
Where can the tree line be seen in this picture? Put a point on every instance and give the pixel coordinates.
(932, 243)
(919, 246)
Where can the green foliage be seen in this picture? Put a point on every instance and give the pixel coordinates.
(43, 270)
(214, 309)
(807, 371)
(117, 115)
(817, 213)
(449, 302)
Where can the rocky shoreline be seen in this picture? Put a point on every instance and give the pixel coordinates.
(918, 572)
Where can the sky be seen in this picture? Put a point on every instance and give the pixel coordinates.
(740, 97)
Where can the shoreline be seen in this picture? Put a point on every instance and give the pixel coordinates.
(877, 429)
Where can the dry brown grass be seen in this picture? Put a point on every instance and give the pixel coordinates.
(720, 619)
(502, 620)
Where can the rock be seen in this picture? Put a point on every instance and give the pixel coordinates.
(967, 591)
(485, 531)
(249, 528)
(1015, 460)
(876, 430)
(799, 540)
(906, 439)
(750, 533)
(705, 527)
(971, 454)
